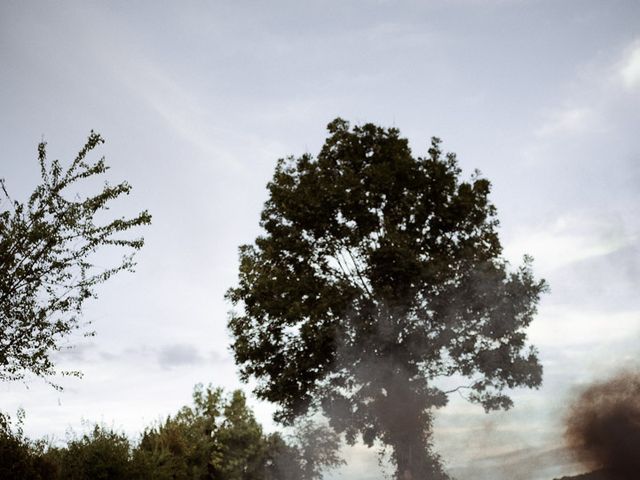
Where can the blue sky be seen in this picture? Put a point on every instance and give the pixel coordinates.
(197, 101)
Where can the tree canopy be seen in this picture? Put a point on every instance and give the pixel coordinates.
(47, 247)
(377, 274)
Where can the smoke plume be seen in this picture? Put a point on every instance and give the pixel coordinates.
(603, 426)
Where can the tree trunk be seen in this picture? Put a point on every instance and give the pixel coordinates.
(407, 422)
(412, 456)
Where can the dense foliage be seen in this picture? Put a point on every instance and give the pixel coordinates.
(377, 274)
(20, 457)
(216, 438)
(47, 246)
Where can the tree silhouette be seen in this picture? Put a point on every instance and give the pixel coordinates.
(46, 251)
(377, 274)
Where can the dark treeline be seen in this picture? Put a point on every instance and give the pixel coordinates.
(217, 437)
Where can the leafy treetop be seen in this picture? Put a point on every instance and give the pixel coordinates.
(378, 273)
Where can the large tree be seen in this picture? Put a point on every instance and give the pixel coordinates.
(378, 274)
(47, 247)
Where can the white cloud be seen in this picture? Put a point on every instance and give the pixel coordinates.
(593, 102)
(567, 326)
(567, 121)
(568, 239)
(630, 68)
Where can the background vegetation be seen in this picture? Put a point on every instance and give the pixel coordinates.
(216, 437)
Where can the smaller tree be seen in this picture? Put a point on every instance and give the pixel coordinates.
(46, 267)
(102, 454)
(318, 448)
(282, 461)
(181, 447)
(239, 449)
(218, 437)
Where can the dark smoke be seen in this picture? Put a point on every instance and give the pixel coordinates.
(603, 426)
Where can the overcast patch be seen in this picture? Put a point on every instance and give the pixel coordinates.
(178, 355)
(108, 356)
(216, 357)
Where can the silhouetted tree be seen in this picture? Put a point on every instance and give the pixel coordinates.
(20, 457)
(102, 454)
(46, 250)
(378, 273)
(182, 447)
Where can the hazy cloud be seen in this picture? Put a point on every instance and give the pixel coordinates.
(525, 464)
(78, 353)
(179, 355)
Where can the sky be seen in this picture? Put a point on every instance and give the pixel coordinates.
(198, 99)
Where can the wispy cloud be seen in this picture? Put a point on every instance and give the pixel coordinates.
(178, 104)
(77, 353)
(594, 102)
(629, 70)
(166, 356)
(569, 239)
(568, 121)
(567, 327)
